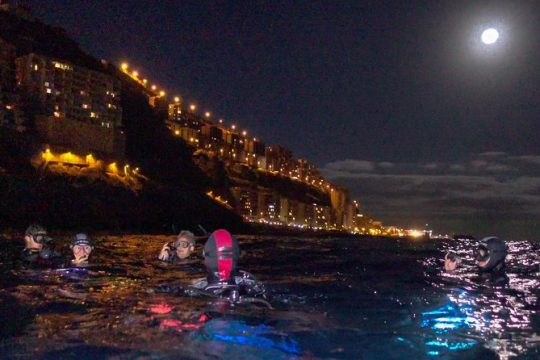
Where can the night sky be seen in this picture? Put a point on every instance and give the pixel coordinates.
(399, 101)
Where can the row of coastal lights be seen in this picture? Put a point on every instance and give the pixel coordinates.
(161, 93)
(192, 107)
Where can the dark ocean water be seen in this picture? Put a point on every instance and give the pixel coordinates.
(347, 298)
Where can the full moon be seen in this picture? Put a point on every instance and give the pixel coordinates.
(490, 36)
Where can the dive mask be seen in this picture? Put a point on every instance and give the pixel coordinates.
(481, 253)
(41, 238)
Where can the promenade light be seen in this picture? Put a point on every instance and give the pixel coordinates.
(176, 99)
(135, 73)
(192, 107)
(221, 121)
(124, 66)
(207, 114)
(233, 126)
(244, 133)
(154, 87)
(162, 93)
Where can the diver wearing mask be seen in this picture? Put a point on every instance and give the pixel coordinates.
(224, 280)
(221, 253)
(36, 249)
(489, 256)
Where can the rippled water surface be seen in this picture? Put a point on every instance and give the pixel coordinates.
(348, 298)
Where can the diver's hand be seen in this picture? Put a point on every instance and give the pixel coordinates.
(80, 259)
(450, 262)
(165, 252)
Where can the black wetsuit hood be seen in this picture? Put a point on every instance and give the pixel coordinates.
(494, 249)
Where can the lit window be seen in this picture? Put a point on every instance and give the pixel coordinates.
(61, 66)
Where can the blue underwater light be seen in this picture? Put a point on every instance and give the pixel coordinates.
(259, 336)
(444, 321)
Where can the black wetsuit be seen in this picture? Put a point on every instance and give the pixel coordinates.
(494, 277)
(245, 289)
(46, 257)
(244, 283)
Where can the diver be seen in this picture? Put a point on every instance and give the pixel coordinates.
(37, 248)
(180, 249)
(82, 247)
(223, 279)
(489, 256)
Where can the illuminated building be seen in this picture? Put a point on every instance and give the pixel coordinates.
(349, 221)
(292, 212)
(80, 107)
(255, 153)
(236, 143)
(246, 202)
(304, 169)
(212, 139)
(185, 124)
(10, 113)
(278, 158)
(268, 205)
(339, 197)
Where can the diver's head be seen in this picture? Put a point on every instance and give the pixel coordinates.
(35, 237)
(221, 253)
(82, 246)
(490, 254)
(184, 244)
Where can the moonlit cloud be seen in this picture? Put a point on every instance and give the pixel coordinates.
(491, 193)
(386, 165)
(351, 166)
